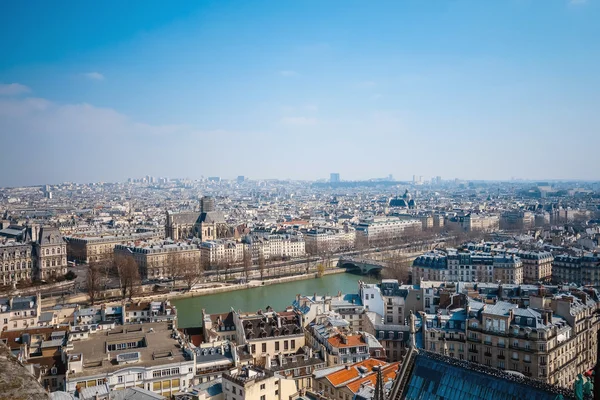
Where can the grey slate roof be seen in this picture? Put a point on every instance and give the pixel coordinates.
(435, 377)
(50, 235)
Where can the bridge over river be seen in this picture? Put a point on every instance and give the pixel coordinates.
(370, 265)
(365, 265)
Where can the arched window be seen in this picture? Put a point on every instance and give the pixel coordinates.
(47, 251)
(58, 251)
(29, 264)
(12, 267)
(53, 251)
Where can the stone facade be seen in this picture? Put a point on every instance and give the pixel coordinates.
(51, 251)
(551, 341)
(16, 263)
(156, 260)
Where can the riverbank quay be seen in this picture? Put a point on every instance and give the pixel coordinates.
(210, 288)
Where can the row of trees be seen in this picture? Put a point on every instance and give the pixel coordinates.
(178, 267)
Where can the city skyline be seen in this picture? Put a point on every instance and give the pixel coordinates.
(476, 91)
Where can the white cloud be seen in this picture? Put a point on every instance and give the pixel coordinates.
(299, 121)
(288, 73)
(11, 89)
(95, 76)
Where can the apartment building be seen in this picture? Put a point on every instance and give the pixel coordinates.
(213, 358)
(328, 239)
(508, 269)
(88, 249)
(218, 327)
(222, 250)
(467, 267)
(583, 270)
(330, 335)
(253, 382)
(471, 222)
(161, 259)
(553, 340)
(386, 228)
(18, 313)
(148, 356)
(388, 308)
(268, 333)
(275, 246)
(537, 266)
(517, 220)
(16, 262)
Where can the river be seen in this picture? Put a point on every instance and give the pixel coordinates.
(189, 310)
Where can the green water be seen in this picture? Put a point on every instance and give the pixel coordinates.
(189, 310)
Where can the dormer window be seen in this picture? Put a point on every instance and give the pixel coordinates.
(53, 370)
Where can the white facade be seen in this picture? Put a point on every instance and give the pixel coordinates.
(371, 297)
(387, 227)
(163, 379)
(19, 312)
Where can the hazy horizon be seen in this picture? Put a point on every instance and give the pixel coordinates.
(295, 90)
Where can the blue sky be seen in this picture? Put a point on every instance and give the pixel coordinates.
(473, 89)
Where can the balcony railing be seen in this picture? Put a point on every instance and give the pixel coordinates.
(488, 354)
(471, 350)
(500, 357)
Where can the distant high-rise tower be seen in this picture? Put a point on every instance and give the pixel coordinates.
(334, 177)
(207, 204)
(241, 179)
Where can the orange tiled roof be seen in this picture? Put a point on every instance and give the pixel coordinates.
(353, 341)
(388, 372)
(347, 374)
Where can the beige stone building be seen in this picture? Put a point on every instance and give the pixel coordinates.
(160, 259)
(467, 267)
(252, 382)
(16, 262)
(101, 247)
(552, 341)
(537, 266)
(267, 334)
(51, 252)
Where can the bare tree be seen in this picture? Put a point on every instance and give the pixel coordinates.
(129, 275)
(94, 281)
(175, 264)
(246, 263)
(398, 267)
(190, 272)
(307, 267)
(361, 243)
(261, 265)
